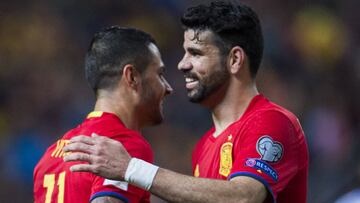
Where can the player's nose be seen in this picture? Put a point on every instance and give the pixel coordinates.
(184, 65)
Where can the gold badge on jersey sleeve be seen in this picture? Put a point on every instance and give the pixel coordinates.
(226, 158)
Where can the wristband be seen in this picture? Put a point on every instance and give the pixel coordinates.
(140, 173)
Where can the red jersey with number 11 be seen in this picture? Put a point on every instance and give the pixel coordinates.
(54, 183)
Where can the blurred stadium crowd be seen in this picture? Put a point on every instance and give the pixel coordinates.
(311, 66)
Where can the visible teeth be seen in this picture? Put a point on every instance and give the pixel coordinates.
(189, 79)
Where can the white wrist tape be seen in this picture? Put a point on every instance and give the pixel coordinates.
(140, 173)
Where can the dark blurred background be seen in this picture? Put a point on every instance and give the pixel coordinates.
(311, 66)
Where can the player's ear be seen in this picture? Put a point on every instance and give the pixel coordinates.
(131, 76)
(236, 59)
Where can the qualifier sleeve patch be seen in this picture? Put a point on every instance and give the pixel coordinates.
(262, 167)
(270, 150)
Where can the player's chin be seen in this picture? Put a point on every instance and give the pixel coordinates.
(195, 96)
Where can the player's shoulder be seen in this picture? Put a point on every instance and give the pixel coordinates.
(133, 141)
(268, 111)
(110, 125)
(107, 123)
(268, 118)
(128, 136)
(277, 121)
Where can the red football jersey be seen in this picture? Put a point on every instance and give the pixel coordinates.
(267, 143)
(55, 183)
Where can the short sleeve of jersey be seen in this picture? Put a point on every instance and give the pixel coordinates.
(137, 147)
(265, 150)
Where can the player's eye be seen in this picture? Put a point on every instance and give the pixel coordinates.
(194, 52)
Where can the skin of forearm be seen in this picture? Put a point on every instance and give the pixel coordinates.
(175, 187)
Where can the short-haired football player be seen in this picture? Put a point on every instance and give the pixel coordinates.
(124, 68)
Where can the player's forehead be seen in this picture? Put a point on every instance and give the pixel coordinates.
(198, 39)
(156, 56)
(155, 53)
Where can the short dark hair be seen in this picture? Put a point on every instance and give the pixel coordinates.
(110, 50)
(233, 23)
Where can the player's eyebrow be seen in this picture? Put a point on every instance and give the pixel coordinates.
(193, 50)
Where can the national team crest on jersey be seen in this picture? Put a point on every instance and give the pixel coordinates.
(270, 150)
(225, 159)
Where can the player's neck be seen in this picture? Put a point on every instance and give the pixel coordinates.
(125, 111)
(232, 107)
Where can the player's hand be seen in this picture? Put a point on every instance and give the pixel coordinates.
(105, 157)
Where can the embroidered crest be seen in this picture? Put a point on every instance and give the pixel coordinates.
(225, 159)
(270, 150)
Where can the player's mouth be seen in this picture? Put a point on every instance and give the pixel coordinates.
(191, 82)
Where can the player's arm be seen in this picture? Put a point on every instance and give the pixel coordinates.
(176, 187)
(107, 200)
(109, 159)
